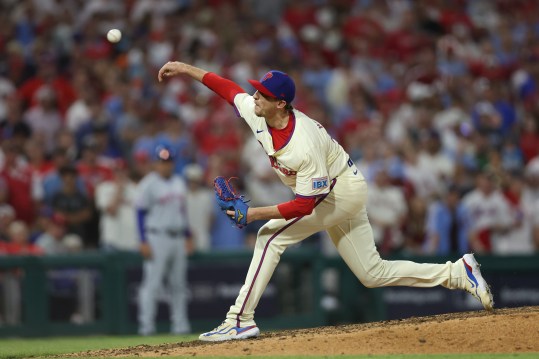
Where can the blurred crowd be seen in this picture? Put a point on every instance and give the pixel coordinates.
(436, 101)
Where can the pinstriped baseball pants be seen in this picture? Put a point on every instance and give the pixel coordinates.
(343, 215)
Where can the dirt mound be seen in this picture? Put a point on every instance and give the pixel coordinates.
(504, 331)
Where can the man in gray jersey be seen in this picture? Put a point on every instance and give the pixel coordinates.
(165, 242)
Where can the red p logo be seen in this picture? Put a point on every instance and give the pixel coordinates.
(269, 75)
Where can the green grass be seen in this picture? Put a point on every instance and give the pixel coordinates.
(26, 348)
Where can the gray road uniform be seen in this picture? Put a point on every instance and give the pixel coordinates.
(161, 208)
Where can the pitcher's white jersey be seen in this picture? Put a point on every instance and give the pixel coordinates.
(311, 158)
(312, 164)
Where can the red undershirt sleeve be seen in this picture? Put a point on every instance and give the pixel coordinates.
(300, 206)
(223, 87)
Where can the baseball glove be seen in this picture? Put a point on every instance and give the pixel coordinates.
(229, 200)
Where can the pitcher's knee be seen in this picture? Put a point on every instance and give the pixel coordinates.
(372, 277)
(368, 281)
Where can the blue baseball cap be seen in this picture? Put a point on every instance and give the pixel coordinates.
(164, 153)
(276, 84)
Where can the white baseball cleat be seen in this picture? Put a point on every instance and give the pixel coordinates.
(228, 331)
(475, 284)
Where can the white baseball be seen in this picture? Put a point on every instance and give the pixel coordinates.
(114, 35)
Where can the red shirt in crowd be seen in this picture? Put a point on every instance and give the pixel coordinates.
(19, 183)
(17, 249)
(92, 175)
(64, 92)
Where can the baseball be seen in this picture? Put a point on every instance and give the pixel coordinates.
(114, 35)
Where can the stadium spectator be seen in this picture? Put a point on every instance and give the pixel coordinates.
(47, 78)
(44, 118)
(79, 112)
(93, 168)
(488, 213)
(114, 200)
(74, 206)
(7, 213)
(18, 242)
(529, 137)
(431, 156)
(519, 238)
(175, 136)
(24, 190)
(37, 159)
(414, 227)
(387, 212)
(128, 127)
(370, 162)
(54, 240)
(446, 227)
(200, 201)
(52, 181)
(12, 126)
(219, 135)
(419, 180)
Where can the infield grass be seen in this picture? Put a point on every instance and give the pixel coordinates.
(24, 348)
(43, 347)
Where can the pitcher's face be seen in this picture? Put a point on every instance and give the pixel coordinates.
(266, 106)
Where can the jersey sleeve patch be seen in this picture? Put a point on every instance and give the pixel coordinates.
(320, 182)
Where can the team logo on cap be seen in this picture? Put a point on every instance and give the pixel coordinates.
(164, 154)
(269, 75)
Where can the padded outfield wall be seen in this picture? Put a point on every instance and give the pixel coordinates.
(96, 293)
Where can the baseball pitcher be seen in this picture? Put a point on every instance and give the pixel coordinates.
(330, 195)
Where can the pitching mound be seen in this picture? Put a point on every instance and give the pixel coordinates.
(504, 331)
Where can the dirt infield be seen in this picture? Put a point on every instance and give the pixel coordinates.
(504, 331)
